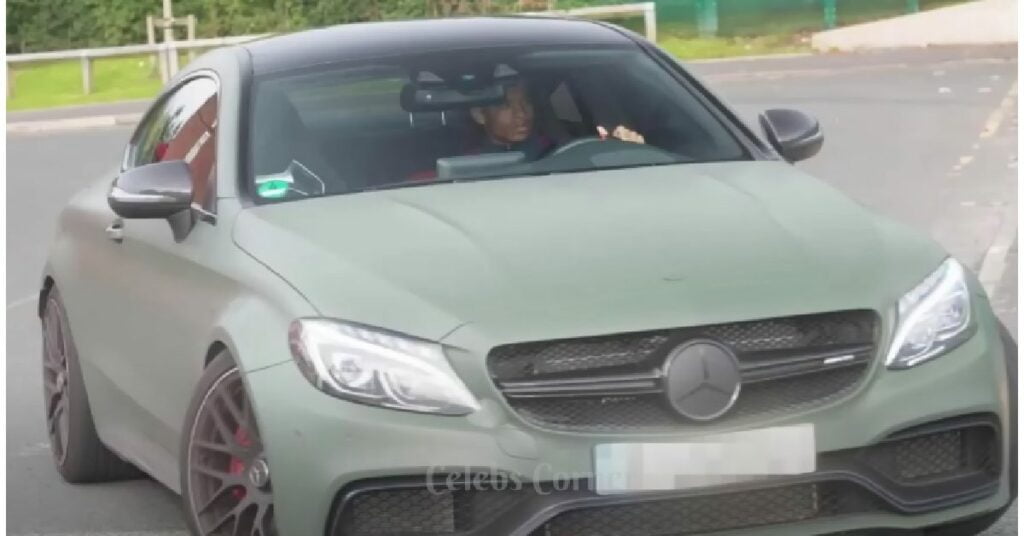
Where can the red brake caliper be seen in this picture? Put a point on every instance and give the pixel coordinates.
(236, 466)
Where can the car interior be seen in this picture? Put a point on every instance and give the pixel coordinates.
(372, 133)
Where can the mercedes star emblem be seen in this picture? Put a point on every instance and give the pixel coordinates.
(702, 379)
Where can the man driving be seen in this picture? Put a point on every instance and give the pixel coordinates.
(510, 126)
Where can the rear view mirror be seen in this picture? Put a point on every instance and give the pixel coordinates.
(433, 99)
(794, 134)
(430, 91)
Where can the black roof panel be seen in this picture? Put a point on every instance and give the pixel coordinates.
(378, 39)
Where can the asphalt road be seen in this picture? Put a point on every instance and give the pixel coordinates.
(927, 137)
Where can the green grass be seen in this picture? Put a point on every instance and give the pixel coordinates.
(46, 85)
(692, 48)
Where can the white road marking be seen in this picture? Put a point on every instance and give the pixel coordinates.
(964, 160)
(997, 116)
(32, 450)
(944, 90)
(984, 90)
(22, 301)
(993, 265)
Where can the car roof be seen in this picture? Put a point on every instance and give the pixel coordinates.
(381, 39)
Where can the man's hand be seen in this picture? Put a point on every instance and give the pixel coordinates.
(621, 133)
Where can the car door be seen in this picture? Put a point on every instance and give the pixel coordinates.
(154, 293)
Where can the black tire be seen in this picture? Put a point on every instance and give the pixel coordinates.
(77, 451)
(220, 448)
(979, 524)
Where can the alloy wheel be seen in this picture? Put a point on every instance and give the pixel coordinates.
(229, 478)
(55, 380)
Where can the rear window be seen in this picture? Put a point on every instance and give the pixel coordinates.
(474, 115)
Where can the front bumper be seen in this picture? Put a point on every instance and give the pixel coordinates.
(322, 450)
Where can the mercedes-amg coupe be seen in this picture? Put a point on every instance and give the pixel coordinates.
(509, 276)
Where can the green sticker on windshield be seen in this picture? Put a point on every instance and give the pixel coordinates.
(273, 186)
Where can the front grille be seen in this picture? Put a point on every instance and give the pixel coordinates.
(643, 412)
(710, 513)
(613, 383)
(949, 463)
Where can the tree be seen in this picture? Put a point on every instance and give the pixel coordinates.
(34, 25)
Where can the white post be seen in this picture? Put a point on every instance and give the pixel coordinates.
(191, 36)
(165, 72)
(86, 74)
(650, 22)
(158, 61)
(172, 52)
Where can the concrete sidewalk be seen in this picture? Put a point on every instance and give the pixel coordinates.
(980, 22)
(69, 118)
(85, 110)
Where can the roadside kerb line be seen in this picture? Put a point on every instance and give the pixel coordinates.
(993, 265)
(74, 123)
(996, 118)
(775, 74)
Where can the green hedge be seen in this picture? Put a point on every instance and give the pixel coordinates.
(34, 25)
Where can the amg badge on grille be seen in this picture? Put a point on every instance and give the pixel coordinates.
(702, 379)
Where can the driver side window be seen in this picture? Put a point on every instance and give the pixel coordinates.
(183, 126)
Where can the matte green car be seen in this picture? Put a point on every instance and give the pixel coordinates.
(509, 276)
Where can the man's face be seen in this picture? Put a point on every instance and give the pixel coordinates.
(510, 122)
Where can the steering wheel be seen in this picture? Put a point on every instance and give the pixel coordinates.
(593, 151)
(578, 142)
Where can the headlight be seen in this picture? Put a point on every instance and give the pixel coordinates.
(933, 318)
(374, 367)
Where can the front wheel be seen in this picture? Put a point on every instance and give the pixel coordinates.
(77, 451)
(225, 478)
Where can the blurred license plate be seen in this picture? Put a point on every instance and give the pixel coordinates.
(709, 461)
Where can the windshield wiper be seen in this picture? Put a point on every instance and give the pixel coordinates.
(600, 168)
(405, 184)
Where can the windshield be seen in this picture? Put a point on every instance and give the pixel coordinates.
(471, 115)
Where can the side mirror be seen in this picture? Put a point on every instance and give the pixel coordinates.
(152, 191)
(155, 191)
(794, 134)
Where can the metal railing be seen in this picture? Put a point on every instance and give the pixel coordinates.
(647, 9)
(88, 55)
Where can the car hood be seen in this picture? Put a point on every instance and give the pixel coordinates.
(588, 253)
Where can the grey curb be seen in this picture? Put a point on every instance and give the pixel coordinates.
(76, 123)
